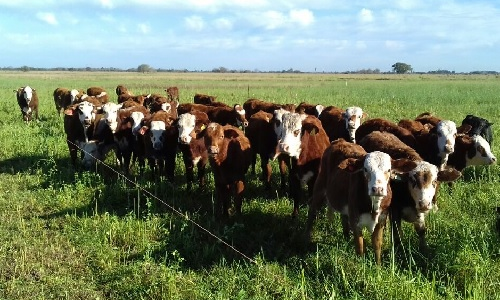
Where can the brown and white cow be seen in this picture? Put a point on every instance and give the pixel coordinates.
(309, 109)
(229, 156)
(192, 145)
(122, 90)
(27, 100)
(471, 151)
(357, 187)
(64, 98)
(98, 92)
(252, 105)
(78, 118)
(160, 143)
(415, 192)
(304, 140)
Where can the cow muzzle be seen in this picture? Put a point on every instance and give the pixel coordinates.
(213, 150)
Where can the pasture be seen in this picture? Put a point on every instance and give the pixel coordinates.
(67, 234)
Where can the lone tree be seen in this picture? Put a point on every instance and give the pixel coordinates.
(144, 68)
(401, 68)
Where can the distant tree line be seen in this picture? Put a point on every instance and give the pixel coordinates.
(398, 68)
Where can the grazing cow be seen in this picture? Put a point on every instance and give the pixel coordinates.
(64, 98)
(383, 125)
(310, 109)
(251, 106)
(303, 139)
(192, 145)
(471, 151)
(160, 143)
(204, 99)
(172, 93)
(99, 93)
(27, 100)
(414, 193)
(262, 137)
(479, 126)
(78, 118)
(357, 187)
(122, 90)
(229, 156)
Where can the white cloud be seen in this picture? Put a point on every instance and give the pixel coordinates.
(195, 23)
(304, 17)
(223, 24)
(272, 19)
(394, 45)
(106, 3)
(366, 15)
(49, 18)
(360, 45)
(144, 28)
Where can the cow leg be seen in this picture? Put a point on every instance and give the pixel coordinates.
(266, 172)
(127, 156)
(345, 225)
(358, 241)
(421, 230)
(188, 164)
(396, 227)
(377, 238)
(316, 201)
(73, 152)
(295, 188)
(201, 173)
(239, 188)
(284, 163)
(254, 162)
(170, 165)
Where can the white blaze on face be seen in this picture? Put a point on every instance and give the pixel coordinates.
(446, 131)
(422, 183)
(73, 94)
(186, 124)
(156, 132)
(482, 153)
(102, 94)
(28, 94)
(352, 117)
(86, 113)
(377, 171)
(136, 121)
(289, 139)
(111, 115)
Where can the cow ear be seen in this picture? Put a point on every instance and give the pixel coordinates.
(364, 115)
(402, 165)
(448, 174)
(68, 112)
(464, 128)
(230, 133)
(352, 165)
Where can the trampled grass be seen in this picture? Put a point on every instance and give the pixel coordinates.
(94, 235)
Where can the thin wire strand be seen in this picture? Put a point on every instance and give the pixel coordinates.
(170, 207)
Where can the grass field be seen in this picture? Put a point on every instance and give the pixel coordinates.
(96, 235)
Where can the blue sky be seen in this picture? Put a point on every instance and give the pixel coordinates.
(306, 35)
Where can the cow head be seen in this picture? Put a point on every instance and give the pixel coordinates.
(289, 134)
(240, 116)
(93, 152)
(186, 125)
(86, 113)
(352, 117)
(74, 94)
(27, 94)
(377, 169)
(423, 184)
(110, 115)
(479, 153)
(156, 131)
(446, 132)
(214, 138)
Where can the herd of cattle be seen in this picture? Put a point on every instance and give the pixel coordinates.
(364, 169)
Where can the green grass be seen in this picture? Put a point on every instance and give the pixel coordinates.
(94, 235)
